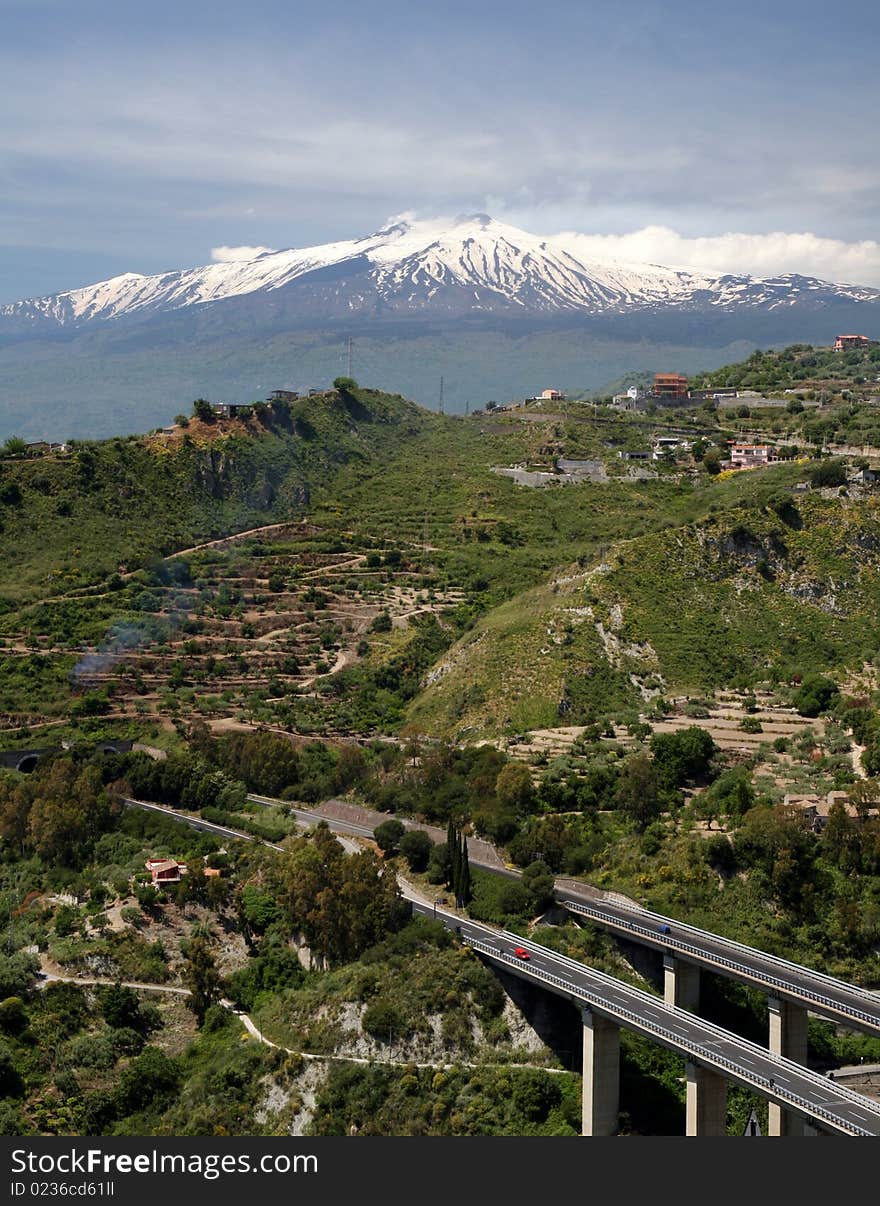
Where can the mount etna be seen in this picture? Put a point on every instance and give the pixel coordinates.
(495, 311)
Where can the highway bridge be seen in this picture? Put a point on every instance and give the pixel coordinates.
(793, 991)
(713, 1056)
(824, 995)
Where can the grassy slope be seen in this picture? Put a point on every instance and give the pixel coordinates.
(730, 593)
(76, 518)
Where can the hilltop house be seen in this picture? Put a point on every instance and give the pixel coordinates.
(851, 343)
(633, 399)
(283, 395)
(670, 386)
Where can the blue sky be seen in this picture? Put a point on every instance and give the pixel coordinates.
(139, 138)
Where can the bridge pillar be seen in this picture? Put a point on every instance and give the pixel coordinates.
(788, 1038)
(706, 1101)
(601, 1082)
(681, 983)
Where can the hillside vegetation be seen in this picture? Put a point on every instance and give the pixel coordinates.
(72, 520)
(800, 365)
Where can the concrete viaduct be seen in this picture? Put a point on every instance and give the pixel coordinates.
(792, 990)
(807, 1102)
(799, 1101)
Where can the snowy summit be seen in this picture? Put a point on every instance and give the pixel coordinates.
(473, 264)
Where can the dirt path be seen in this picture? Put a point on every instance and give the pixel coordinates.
(224, 540)
(858, 768)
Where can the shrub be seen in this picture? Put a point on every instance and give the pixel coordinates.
(828, 473)
(388, 836)
(382, 1020)
(416, 847)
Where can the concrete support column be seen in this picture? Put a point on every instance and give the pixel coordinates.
(788, 1038)
(706, 1101)
(601, 1083)
(681, 983)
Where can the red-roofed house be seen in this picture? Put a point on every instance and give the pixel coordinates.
(165, 871)
(849, 343)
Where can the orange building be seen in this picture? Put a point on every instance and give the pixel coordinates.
(670, 385)
(849, 343)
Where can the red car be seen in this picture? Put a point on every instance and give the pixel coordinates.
(521, 953)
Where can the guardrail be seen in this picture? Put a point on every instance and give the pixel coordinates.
(675, 1040)
(752, 973)
(646, 998)
(733, 944)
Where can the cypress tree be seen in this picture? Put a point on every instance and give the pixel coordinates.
(465, 874)
(451, 853)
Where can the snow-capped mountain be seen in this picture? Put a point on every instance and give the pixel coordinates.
(473, 265)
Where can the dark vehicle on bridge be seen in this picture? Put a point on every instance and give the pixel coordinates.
(521, 953)
(664, 929)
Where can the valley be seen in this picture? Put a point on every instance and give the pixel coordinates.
(662, 687)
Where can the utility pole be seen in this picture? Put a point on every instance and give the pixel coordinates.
(467, 408)
(349, 355)
(441, 396)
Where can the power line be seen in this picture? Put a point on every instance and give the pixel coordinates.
(441, 396)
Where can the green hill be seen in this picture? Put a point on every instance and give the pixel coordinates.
(801, 365)
(70, 520)
(762, 590)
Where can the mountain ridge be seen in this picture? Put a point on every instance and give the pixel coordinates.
(475, 265)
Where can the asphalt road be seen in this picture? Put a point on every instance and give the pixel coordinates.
(822, 1102)
(820, 994)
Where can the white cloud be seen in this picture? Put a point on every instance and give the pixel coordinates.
(230, 255)
(764, 255)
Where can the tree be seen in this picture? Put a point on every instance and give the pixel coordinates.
(203, 410)
(840, 839)
(15, 446)
(453, 854)
(814, 695)
(416, 847)
(463, 889)
(121, 1007)
(344, 385)
(778, 842)
(864, 797)
(514, 787)
(828, 473)
(151, 1077)
(388, 835)
(439, 871)
(681, 756)
(538, 880)
(18, 973)
(201, 977)
(637, 793)
(69, 810)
